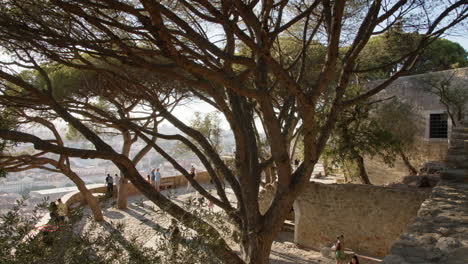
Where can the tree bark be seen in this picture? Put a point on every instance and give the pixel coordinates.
(411, 169)
(88, 197)
(256, 249)
(122, 194)
(362, 170)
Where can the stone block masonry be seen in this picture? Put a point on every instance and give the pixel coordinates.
(370, 217)
(439, 234)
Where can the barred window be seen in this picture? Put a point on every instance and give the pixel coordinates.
(438, 126)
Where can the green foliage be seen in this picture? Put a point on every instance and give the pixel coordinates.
(442, 54)
(399, 119)
(383, 53)
(451, 90)
(209, 125)
(381, 129)
(104, 243)
(73, 134)
(62, 245)
(15, 246)
(6, 122)
(64, 80)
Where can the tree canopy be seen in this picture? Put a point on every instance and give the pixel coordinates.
(384, 53)
(198, 44)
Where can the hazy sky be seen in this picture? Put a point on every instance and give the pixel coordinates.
(462, 40)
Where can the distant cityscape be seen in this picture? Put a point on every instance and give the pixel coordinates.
(37, 184)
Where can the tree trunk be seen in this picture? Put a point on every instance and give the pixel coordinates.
(122, 194)
(256, 249)
(93, 204)
(408, 164)
(362, 170)
(326, 169)
(88, 197)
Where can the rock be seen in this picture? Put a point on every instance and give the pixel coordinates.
(457, 256)
(447, 244)
(394, 259)
(327, 253)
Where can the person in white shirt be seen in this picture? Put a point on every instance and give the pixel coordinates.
(157, 179)
(117, 182)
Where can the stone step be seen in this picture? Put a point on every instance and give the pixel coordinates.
(459, 143)
(457, 135)
(457, 151)
(458, 164)
(461, 156)
(458, 175)
(460, 129)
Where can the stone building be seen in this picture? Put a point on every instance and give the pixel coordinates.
(432, 126)
(435, 125)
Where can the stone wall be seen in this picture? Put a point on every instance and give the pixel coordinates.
(73, 198)
(370, 217)
(439, 235)
(440, 232)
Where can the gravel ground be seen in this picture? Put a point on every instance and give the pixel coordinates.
(148, 226)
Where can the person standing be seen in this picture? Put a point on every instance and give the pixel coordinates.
(61, 211)
(153, 177)
(339, 250)
(53, 212)
(117, 182)
(192, 176)
(157, 179)
(110, 185)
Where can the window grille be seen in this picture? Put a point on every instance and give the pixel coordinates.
(438, 127)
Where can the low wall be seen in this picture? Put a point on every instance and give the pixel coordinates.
(75, 197)
(370, 217)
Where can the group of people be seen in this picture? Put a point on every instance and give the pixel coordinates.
(110, 184)
(57, 211)
(155, 178)
(340, 254)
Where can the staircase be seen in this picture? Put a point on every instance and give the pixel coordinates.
(458, 153)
